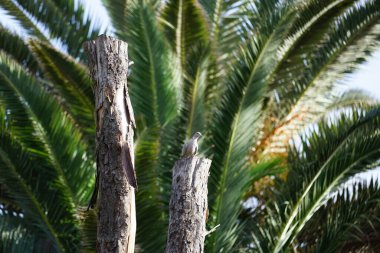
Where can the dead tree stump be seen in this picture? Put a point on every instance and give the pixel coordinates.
(188, 206)
(108, 62)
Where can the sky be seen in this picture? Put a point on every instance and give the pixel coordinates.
(367, 77)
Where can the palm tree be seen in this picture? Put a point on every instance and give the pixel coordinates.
(313, 211)
(248, 74)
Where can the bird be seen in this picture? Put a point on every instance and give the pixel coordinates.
(191, 147)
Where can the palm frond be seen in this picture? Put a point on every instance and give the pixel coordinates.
(151, 198)
(365, 237)
(64, 20)
(343, 217)
(72, 82)
(14, 237)
(185, 26)
(153, 75)
(313, 21)
(227, 36)
(6, 200)
(193, 109)
(30, 104)
(118, 12)
(15, 46)
(88, 229)
(16, 11)
(331, 154)
(352, 98)
(38, 190)
(309, 27)
(225, 26)
(16, 119)
(348, 42)
(355, 31)
(231, 134)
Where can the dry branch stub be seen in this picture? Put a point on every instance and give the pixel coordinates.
(188, 206)
(108, 63)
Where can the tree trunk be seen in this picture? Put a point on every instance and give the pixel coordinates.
(108, 62)
(188, 206)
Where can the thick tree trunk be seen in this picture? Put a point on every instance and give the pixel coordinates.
(188, 206)
(108, 62)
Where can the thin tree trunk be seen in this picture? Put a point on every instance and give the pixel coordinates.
(188, 206)
(108, 62)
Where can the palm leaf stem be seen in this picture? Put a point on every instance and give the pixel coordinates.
(151, 66)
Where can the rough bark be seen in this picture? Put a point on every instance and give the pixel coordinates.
(108, 62)
(188, 206)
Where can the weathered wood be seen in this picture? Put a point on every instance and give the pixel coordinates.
(188, 206)
(108, 62)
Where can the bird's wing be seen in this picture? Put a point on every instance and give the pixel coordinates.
(128, 165)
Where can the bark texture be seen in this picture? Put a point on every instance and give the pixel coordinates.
(188, 206)
(108, 62)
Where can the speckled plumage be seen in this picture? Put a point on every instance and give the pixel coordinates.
(191, 147)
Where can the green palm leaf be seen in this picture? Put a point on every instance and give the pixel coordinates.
(153, 75)
(193, 110)
(13, 236)
(354, 31)
(308, 29)
(72, 81)
(88, 229)
(16, 11)
(64, 20)
(353, 98)
(224, 22)
(332, 154)
(313, 21)
(240, 111)
(332, 57)
(225, 26)
(118, 12)
(38, 191)
(13, 45)
(56, 133)
(185, 26)
(151, 198)
(345, 216)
